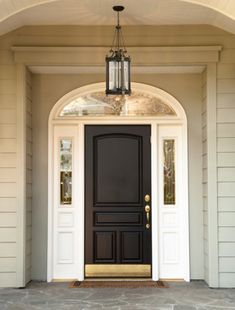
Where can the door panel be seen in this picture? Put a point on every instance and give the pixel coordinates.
(117, 176)
(112, 187)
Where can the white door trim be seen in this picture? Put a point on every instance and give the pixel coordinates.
(79, 124)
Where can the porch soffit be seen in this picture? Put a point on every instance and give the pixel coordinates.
(94, 56)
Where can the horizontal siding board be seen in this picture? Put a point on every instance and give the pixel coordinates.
(7, 131)
(8, 234)
(226, 101)
(227, 264)
(226, 174)
(226, 130)
(8, 279)
(226, 219)
(225, 86)
(7, 116)
(226, 189)
(226, 159)
(227, 279)
(7, 145)
(8, 249)
(8, 204)
(8, 175)
(226, 115)
(227, 56)
(8, 160)
(7, 86)
(226, 71)
(226, 144)
(227, 249)
(8, 220)
(6, 57)
(227, 234)
(226, 204)
(7, 264)
(7, 72)
(7, 101)
(8, 190)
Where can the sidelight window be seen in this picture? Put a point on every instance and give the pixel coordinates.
(169, 171)
(66, 171)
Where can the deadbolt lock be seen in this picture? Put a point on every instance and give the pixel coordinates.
(147, 198)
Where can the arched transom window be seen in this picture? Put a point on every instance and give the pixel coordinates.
(98, 104)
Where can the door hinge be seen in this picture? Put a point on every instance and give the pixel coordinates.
(150, 139)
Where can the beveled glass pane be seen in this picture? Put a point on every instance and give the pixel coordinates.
(169, 171)
(126, 75)
(65, 171)
(112, 83)
(98, 104)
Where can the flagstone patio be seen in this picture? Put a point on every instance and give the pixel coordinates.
(179, 296)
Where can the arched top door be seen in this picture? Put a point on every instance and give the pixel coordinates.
(91, 101)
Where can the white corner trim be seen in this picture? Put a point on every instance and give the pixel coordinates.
(21, 173)
(212, 176)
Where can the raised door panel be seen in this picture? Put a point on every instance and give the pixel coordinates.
(117, 173)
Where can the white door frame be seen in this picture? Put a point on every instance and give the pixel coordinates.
(79, 123)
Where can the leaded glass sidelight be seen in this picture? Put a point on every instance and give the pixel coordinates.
(65, 171)
(169, 171)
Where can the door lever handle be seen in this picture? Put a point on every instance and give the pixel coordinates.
(147, 211)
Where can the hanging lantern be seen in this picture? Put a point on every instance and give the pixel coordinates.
(118, 63)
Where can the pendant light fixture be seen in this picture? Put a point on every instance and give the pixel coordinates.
(118, 63)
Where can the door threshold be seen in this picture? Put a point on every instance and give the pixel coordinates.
(117, 271)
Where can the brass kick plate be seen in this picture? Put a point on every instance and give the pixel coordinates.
(117, 270)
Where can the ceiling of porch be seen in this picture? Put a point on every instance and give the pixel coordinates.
(15, 13)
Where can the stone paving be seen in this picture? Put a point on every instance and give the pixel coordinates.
(179, 296)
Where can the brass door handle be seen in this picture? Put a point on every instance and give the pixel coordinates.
(147, 211)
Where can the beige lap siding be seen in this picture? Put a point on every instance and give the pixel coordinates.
(226, 168)
(8, 170)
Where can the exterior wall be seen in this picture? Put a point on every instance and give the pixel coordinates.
(10, 193)
(29, 166)
(226, 169)
(49, 88)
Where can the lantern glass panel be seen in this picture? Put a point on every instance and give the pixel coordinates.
(112, 73)
(126, 75)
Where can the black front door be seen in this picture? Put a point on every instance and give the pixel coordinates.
(117, 180)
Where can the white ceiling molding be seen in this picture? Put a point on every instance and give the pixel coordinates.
(101, 69)
(15, 13)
